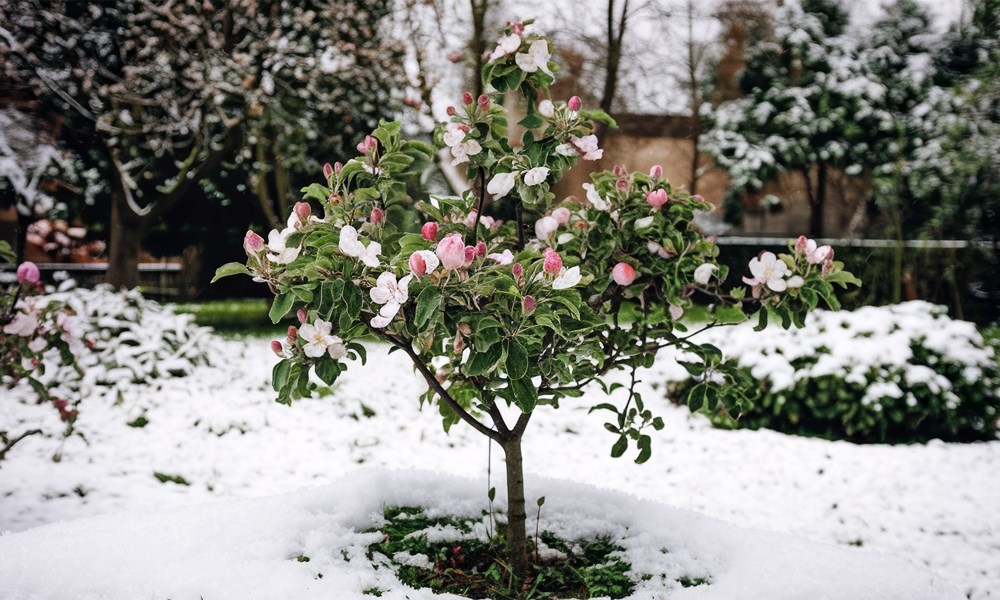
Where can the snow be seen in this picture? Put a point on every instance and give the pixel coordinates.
(247, 548)
(219, 428)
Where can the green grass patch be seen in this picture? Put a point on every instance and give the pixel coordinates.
(464, 561)
(242, 317)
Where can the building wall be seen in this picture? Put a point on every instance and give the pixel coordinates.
(638, 149)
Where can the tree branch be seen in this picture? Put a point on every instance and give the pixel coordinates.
(438, 388)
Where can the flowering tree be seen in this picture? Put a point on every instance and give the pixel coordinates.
(525, 312)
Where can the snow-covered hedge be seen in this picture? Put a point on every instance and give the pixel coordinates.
(902, 373)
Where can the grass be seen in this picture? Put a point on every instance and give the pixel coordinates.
(243, 317)
(466, 562)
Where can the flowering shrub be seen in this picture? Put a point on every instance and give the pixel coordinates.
(75, 343)
(903, 373)
(524, 312)
(38, 336)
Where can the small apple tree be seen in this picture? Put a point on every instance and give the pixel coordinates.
(524, 312)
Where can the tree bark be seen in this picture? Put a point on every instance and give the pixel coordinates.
(126, 243)
(817, 198)
(517, 541)
(615, 38)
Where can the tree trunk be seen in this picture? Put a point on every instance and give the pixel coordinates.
(478, 43)
(126, 244)
(517, 541)
(615, 36)
(816, 197)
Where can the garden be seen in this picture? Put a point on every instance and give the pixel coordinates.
(508, 391)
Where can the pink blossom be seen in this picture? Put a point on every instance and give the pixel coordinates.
(703, 274)
(619, 171)
(800, 244)
(37, 345)
(517, 27)
(656, 172)
(656, 198)
(676, 312)
(561, 215)
(277, 348)
(391, 295)
(504, 258)
(423, 262)
(302, 315)
(293, 334)
(450, 111)
(253, 243)
(377, 215)
(622, 184)
(467, 98)
(546, 108)
(529, 304)
(23, 325)
(470, 255)
(574, 103)
(658, 249)
(545, 227)
(451, 251)
(429, 231)
(327, 171)
(481, 249)
(484, 102)
(368, 145)
(553, 262)
(337, 167)
(27, 272)
(623, 274)
(768, 270)
(587, 147)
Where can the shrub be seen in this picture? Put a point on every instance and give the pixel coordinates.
(897, 374)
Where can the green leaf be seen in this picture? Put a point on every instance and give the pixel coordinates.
(427, 304)
(483, 362)
(316, 191)
(517, 360)
(280, 307)
(233, 268)
(645, 449)
(328, 370)
(279, 375)
(620, 447)
(843, 278)
(525, 394)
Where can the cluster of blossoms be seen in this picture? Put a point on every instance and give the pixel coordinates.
(33, 328)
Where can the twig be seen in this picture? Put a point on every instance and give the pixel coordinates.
(10, 444)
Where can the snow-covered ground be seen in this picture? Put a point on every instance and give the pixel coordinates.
(936, 505)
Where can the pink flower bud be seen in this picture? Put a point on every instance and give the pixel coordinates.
(377, 215)
(484, 102)
(451, 111)
(327, 171)
(619, 171)
(303, 210)
(622, 184)
(561, 215)
(277, 348)
(574, 103)
(293, 334)
(656, 172)
(368, 145)
(455, 57)
(337, 168)
(800, 244)
(529, 304)
(553, 262)
(252, 243)
(302, 315)
(429, 231)
(623, 274)
(418, 265)
(470, 255)
(517, 270)
(481, 249)
(467, 98)
(517, 27)
(698, 198)
(459, 344)
(656, 198)
(27, 272)
(451, 251)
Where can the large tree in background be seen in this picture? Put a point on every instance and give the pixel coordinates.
(158, 95)
(807, 107)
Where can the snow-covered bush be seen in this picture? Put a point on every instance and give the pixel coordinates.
(133, 339)
(901, 373)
